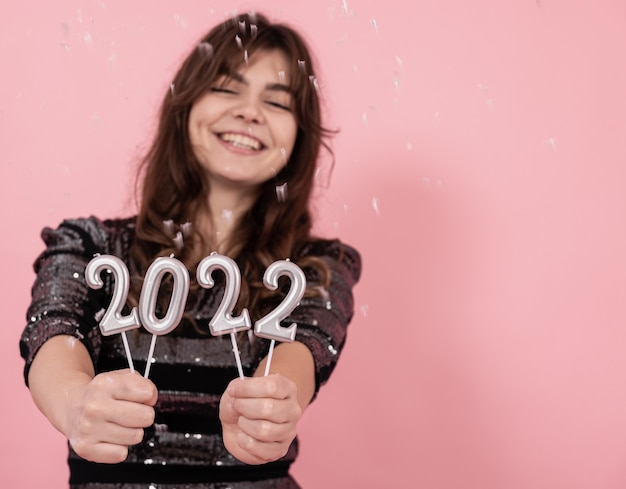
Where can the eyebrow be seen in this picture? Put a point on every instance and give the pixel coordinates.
(275, 87)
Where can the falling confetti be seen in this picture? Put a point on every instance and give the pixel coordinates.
(87, 38)
(186, 228)
(314, 83)
(281, 192)
(206, 48)
(227, 215)
(549, 143)
(375, 206)
(168, 225)
(179, 241)
(181, 21)
(323, 292)
(374, 24)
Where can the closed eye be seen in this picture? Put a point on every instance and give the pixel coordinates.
(223, 90)
(278, 105)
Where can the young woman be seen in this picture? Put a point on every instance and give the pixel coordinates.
(231, 170)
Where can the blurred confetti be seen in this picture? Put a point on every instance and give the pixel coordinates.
(374, 24)
(227, 215)
(314, 83)
(549, 144)
(179, 241)
(180, 21)
(206, 48)
(375, 206)
(281, 192)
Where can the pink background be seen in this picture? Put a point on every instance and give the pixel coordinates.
(480, 170)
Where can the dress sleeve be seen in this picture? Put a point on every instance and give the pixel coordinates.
(62, 303)
(323, 320)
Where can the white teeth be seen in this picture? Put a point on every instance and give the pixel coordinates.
(241, 141)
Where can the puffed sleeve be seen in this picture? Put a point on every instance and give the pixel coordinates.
(62, 303)
(323, 320)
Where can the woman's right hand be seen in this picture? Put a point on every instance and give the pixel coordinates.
(101, 415)
(108, 414)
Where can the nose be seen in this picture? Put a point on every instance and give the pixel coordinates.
(248, 110)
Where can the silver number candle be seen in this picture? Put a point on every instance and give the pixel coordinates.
(148, 299)
(224, 322)
(269, 325)
(113, 321)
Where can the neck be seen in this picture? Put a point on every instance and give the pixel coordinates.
(225, 208)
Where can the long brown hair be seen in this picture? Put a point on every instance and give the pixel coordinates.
(174, 189)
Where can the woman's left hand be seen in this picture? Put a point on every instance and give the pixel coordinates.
(259, 416)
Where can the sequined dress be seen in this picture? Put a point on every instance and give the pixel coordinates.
(184, 448)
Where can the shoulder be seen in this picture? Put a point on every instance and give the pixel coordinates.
(338, 255)
(90, 235)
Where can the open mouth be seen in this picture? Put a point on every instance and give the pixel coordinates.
(241, 141)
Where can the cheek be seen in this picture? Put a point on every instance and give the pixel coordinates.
(289, 135)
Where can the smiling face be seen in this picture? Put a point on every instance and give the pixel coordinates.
(243, 129)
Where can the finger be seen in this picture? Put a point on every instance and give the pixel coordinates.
(227, 411)
(136, 388)
(106, 453)
(120, 435)
(275, 386)
(263, 452)
(267, 431)
(131, 414)
(274, 410)
(124, 385)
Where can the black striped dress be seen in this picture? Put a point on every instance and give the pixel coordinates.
(184, 448)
